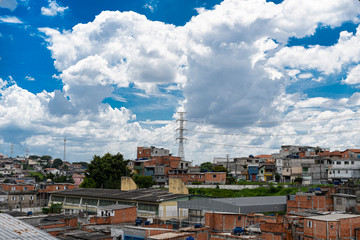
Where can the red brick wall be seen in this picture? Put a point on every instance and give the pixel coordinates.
(18, 188)
(52, 187)
(127, 215)
(143, 152)
(302, 203)
(214, 177)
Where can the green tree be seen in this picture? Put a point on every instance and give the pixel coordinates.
(84, 164)
(143, 181)
(220, 169)
(34, 157)
(57, 163)
(206, 167)
(105, 171)
(46, 157)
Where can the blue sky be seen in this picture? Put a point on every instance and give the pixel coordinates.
(111, 75)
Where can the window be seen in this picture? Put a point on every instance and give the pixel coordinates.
(89, 201)
(72, 200)
(13, 198)
(25, 188)
(346, 171)
(331, 226)
(57, 199)
(106, 202)
(338, 162)
(214, 176)
(65, 187)
(22, 198)
(309, 224)
(346, 162)
(352, 162)
(57, 188)
(239, 218)
(13, 188)
(338, 171)
(262, 171)
(330, 172)
(31, 197)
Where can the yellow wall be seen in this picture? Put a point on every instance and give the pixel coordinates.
(128, 184)
(177, 186)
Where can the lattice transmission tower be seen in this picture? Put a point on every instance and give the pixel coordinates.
(181, 138)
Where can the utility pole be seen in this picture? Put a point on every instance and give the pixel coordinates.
(12, 150)
(227, 162)
(181, 138)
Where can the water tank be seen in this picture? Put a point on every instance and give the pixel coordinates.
(238, 230)
(147, 223)
(197, 225)
(138, 221)
(189, 238)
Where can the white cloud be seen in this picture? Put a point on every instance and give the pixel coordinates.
(10, 4)
(151, 5)
(10, 19)
(29, 78)
(53, 9)
(305, 75)
(353, 76)
(328, 60)
(231, 64)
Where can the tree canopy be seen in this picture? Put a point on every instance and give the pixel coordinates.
(57, 163)
(83, 164)
(220, 169)
(143, 181)
(105, 171)
(206, 167)
(46, 157)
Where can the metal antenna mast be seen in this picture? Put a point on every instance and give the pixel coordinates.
(26, 153)
(64, 149)
(181, 138)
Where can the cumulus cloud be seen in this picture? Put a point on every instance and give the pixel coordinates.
(353, 76)
(10, 19)
(53, 9)
(231, 64)
(10, 4)
(29, 78)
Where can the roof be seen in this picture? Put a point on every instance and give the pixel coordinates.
(333, 217)
(116, 207)
(170, 235)
(354, 150)
(263, 156)
(237, 205)
(12, 228)
(343, 195)
(138, 195)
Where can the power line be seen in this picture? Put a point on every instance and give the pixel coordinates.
(229, 145)
(262, 147)
(273, 122)
(276, 135)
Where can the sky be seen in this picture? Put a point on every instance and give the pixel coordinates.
(109, 76)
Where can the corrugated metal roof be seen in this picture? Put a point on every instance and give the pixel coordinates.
(14, 229)
(237, 205)
(141, 195)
